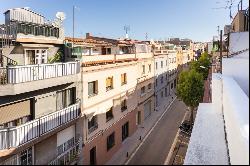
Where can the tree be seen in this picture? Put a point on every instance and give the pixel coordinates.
(56, 58)
(190, 89)
(202, 65)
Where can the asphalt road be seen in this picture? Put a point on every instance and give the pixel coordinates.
(155, 149)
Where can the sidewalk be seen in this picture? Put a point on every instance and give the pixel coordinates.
(132, 142)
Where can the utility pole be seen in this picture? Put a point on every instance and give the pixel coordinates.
(221, 51)
(73, 25)
(218, 30)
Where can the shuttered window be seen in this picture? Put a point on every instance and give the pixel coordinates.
(109, 83)
(123, 78)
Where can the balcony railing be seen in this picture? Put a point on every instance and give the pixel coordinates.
(69, 156)
(20, 74)
(17, 136)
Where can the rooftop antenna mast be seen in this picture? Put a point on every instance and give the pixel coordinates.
(126, 28)
(146, 36)
(218, 30)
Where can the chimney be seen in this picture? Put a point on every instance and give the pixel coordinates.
(88, 35)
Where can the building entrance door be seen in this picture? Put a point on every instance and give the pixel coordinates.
(93, 156)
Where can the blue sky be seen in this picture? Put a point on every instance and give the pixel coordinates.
(161, 19)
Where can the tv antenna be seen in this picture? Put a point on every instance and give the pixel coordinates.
(126, 28)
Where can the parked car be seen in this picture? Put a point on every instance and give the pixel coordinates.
(186, 127)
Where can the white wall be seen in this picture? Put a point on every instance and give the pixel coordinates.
(236, 113)
(238, 68)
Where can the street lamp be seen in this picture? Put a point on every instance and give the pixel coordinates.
(203, 67)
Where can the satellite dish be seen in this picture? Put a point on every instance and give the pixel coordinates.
(61, 16)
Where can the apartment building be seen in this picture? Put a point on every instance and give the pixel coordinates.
(118, 92)
(40, 104)
(172, 69)
(161, 76)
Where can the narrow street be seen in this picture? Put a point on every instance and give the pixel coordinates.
(156, 148)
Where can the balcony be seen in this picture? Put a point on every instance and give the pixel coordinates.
(19, 79)
(17, 136)
(69, 156)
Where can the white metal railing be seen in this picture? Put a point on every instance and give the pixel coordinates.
(69, 156)
(16, 136)
(20, 74)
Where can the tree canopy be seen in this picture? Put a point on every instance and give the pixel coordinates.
(190, 87)
(202, 65)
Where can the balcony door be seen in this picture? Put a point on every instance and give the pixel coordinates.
(30, 57)
(35, 56)
(65, 98)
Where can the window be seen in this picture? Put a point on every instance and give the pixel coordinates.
(156, 82)
(109, 83)
(110, 141)
(92, 88)
(123, 79)
(161, 64)
(169, 60)
(26, 157)
(156, 65)
(161, 94)
(92, 124)
(124, 105)
(92, 155)
(149, 86)
(125, 131)
(171, 85)
(65, 98)
(109, 114)
(166, 91)
(142, 90)
(149, 68)
(161, 79)
(166, 62)
(143, 69)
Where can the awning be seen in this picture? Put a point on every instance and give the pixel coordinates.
(14, 111)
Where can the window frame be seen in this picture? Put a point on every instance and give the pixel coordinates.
(109, 114)
(111, 141)
(95, 88)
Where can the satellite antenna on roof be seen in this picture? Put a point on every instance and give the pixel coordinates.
(127, 28)
(61, 16)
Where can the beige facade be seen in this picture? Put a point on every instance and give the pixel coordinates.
(115, 79)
